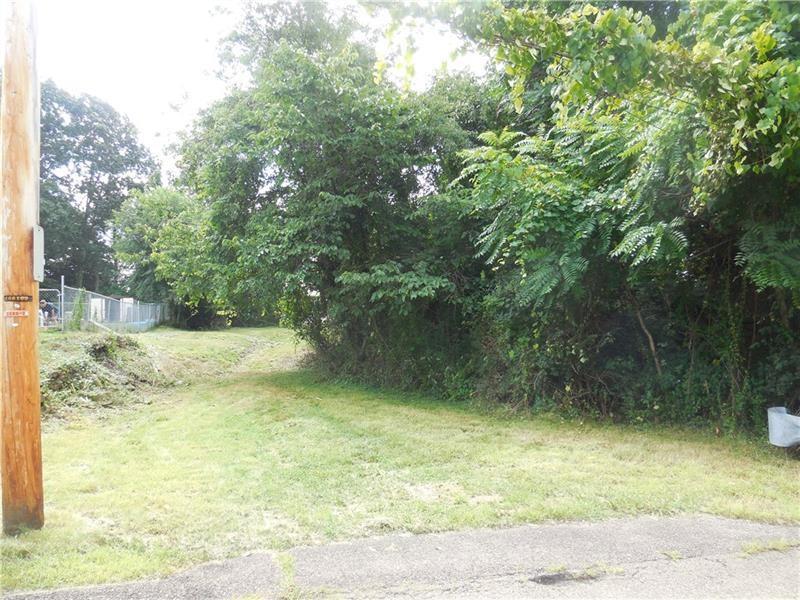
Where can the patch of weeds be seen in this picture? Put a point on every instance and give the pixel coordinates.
(672, 554)
(70, 375)
(601, 569)
(108, 347)
(100, 371)
(555, 569)
(379, 525)
(289, 588)
(15, 548)
(778, 545)
(77, 382)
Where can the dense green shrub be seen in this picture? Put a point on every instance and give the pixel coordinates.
(645, 244)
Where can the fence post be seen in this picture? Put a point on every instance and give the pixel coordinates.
(61, 304)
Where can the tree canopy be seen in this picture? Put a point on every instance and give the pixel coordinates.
(91, 160)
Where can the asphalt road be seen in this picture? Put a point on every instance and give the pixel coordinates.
(644, 557)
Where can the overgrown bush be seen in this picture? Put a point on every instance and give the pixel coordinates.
(610, 227)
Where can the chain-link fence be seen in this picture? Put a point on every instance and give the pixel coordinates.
(50, 308)
(82, 309)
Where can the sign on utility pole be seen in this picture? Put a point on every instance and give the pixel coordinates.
(20, 242)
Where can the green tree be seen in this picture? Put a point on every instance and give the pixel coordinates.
(91, 161)
(139, 226)
(318, 184)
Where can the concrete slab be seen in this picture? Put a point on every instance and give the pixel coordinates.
(653, 557)
(589, 553)
(731, 576)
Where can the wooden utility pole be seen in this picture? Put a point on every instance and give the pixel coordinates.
(21, 458)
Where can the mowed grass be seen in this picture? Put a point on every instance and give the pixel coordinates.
(267, 456)
(189, 356)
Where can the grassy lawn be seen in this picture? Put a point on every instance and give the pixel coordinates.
(256, 453)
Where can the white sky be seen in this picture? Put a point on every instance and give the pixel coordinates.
(155, 60)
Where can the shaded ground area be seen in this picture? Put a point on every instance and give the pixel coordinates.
(658, 557)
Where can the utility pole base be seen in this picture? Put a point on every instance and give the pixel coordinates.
(15, 521)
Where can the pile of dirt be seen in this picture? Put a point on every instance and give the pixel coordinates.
(100, 372)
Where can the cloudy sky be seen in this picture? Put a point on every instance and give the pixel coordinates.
(155, 60)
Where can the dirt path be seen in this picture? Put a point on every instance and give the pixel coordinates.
(675, 557)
